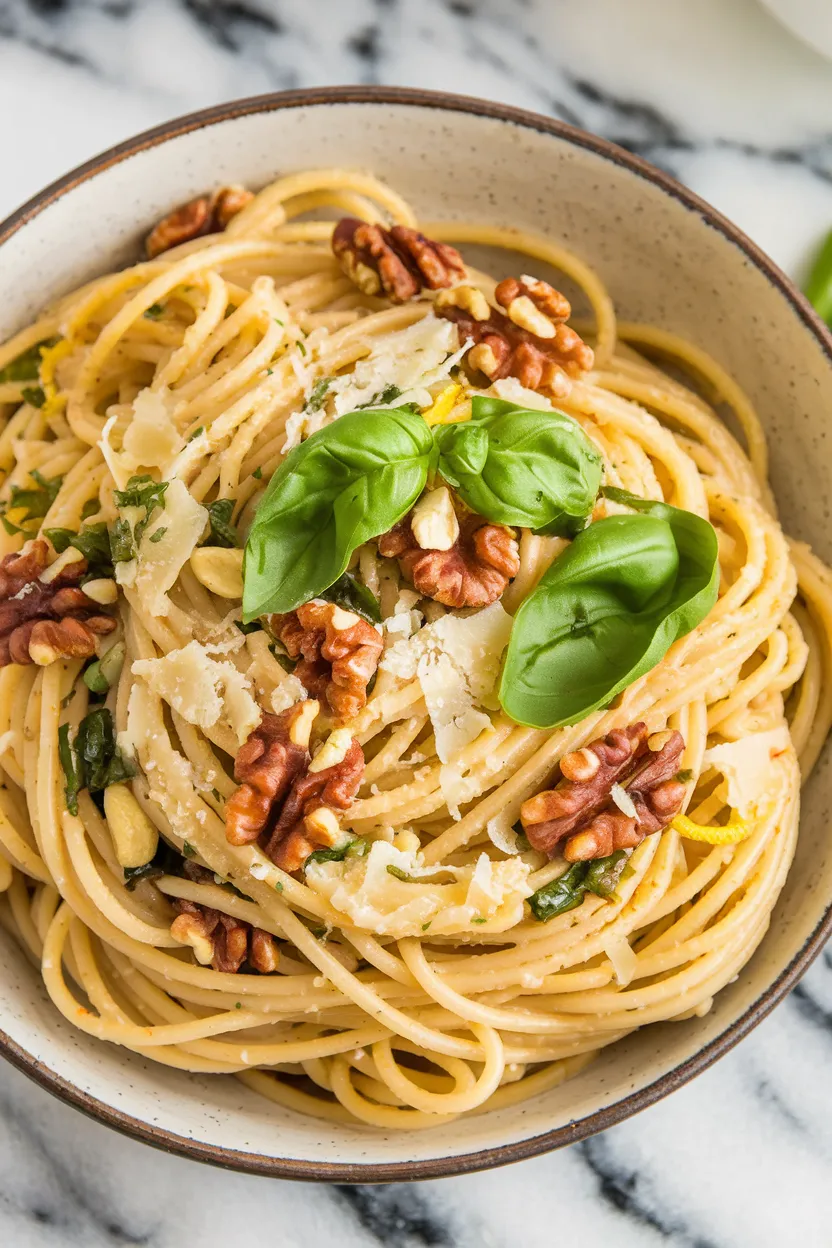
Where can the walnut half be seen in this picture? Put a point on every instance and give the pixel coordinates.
(474, 572)
(285, 801)
(207, 214)
(397, 263)
(222, 941)
(338, 653)
(529, 340)
(46, 615)
(582, 810)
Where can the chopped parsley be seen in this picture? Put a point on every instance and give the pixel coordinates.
(318, 393)
(34, 395)
(94, 761)
(222, 532)
(200, 429)
(155, 311)
(257, 474)
(26, 366)
(32, 503)
(188, 849)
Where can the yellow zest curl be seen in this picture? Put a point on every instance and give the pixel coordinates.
(443, 405)
(731, 833)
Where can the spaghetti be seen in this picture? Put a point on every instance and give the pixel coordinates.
(409, 983)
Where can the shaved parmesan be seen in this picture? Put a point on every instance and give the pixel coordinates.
(509, 389)
(411, 359)
(456, 660)
(287, 693)
(443, 899)
(177, 526)
(202, 689)
(151, 439)
(747, 766)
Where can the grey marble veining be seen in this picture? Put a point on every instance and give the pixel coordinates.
(716, 93)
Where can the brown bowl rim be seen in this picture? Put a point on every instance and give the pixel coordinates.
(600, 1120)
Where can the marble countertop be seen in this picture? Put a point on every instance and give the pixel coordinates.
(719, 95)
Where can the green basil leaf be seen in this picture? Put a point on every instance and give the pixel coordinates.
(93, 541)
(91, 508)
(560, 895)
(607, 611)
(519, 466)
(35, 396)
(72, 780)
(99, 760)
(223, 532)
(604, 873)
(26, 366)
(317, 395)
(347, 483)
(122, 546)
(350, 594)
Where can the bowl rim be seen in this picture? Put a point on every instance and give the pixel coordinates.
(627, 1106)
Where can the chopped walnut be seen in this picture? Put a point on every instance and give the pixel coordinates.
(582, 810)
(397, 263)
(338, 653)
(284, 800)
(207, 214)
(529, 341)
(45, 618)
(474, 572)
(224, 942)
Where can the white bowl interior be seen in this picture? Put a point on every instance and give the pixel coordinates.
(663, 263)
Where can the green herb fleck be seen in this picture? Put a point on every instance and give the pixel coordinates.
(238, 1005)
(278, 888)
(26, 366)
(72, 780)
(155, 311)
(196, 433)
(188, 849)
(399, 874)
(66, 701)
(684, 776)
(425, 926)
(318, 393)
(301, 347)
(91, 508)
(478, 920)
(223, 532)
(34, 503)
(258, 474)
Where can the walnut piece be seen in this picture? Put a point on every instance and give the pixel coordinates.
(229, 941)
(474, 572)
(529, 340)
(290, 808)
(338, 653)
(397, 263)
(207, 214)
(582, 810)
(44, 620)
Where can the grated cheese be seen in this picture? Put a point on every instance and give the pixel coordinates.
(201, 689)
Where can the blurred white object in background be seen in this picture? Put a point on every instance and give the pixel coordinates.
(810, 20)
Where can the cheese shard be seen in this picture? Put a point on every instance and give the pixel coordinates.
(177, 527)
(747, 765)
(457, 662)
(484, 896)
(201, 689)
(151, 439)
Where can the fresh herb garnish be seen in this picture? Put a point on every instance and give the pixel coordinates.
(607, 611)
(158, 534)
(223, 532)
(33, 503)
(519, 466)
(26, 366)
(93, 541)
(35, 396)
(336, 854)
(253, 627)
(188, 849)
(383, 398)
(91, 508)
(399, 874)
(200, 429)
(349, 593)
(566, 892)
(141, 492)
(122, 546)
(318, 393)
(154, 311)
(478, 920)
(94, 761)
(258, 474)
(301, 347)
(344, 485)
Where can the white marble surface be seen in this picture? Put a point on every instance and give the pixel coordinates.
(715, 92)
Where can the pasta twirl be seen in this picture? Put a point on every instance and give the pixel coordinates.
(426, 960)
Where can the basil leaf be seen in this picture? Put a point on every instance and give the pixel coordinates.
(99, 760)
(347, 483)
(560, 895)
(223, 532)
(72, 780)
(604, 873)
(122, 546)
(318, 393)
(519, 466)
(350, 849)
(35, 396)
(93, 541)
(26, 366)
(350, 594)
(607, 611)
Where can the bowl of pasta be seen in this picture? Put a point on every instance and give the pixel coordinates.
(406, 681)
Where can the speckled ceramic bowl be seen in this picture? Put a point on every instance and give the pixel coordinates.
(668, 258)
